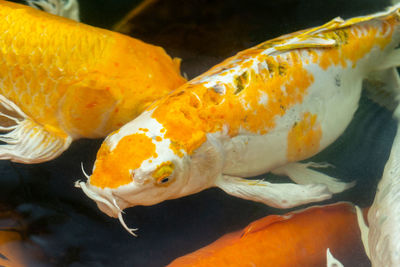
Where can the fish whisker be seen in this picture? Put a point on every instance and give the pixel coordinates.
(113, 206)
(84, 173)
(94, 195)
(130, 230)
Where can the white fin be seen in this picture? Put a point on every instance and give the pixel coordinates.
(301, 174)
(363, 229)
(64, 8)
(285, 195)
(332, 261)
(26, 141)
(383, 86)
(112, 210)
(384, 214)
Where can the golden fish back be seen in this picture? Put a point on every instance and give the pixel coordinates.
(43, 57)
(40, 57)
(76, 80)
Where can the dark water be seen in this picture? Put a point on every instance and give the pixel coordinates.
(62, 227)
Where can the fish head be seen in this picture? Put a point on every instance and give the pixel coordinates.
(136, 166)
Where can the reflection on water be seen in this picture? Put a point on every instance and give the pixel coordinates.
(54, 224)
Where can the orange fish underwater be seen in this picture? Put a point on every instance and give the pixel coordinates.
(61, 80)
(298, 238)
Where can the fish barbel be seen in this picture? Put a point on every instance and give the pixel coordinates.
(61, 80)
(260, 111)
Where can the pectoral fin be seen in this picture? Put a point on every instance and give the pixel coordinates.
(275, 195)
(301, 173)
(25, 140)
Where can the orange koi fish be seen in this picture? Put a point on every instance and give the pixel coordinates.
(298, 238)
(10, 249)
(260, 111)
(61, 80)
(15, 250)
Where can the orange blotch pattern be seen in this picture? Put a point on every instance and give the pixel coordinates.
(304, 138)
(354, 42)
(198, 108)
(187, 120)
(129, 154)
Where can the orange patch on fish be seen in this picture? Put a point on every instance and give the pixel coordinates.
(354, 43)
(194, 110)
(123, 156)
(304, 138)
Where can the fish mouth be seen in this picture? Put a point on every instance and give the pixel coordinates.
(106, 201)
(111, 208)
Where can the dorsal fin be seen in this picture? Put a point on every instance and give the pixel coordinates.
(316, 38)
(263, 223)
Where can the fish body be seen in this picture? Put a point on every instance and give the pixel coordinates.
(382, 242)
(298, 238)
(260, 111)
(61, 80)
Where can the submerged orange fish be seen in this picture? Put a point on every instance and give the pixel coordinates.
(262, 110)
(298, 238)
(61, 80)
(10, 249)
(15, 249)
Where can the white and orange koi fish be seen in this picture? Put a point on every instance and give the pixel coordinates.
(61, 80)
(260, 111)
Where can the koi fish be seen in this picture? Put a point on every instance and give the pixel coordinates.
(299, 238)
(61, 80)
(381, 238)
(260, 111)
(10, 249)
(13, 249)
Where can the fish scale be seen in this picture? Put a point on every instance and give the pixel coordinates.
(74, 80)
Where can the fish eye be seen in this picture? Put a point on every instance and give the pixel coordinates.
(163, 173)
(163, 180)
